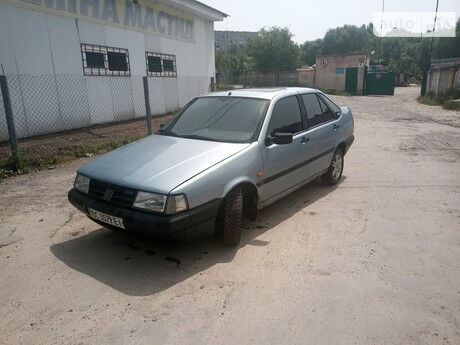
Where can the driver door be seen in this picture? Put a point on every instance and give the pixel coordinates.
(282, 162)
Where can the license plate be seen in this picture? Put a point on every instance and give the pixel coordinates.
(106, 218)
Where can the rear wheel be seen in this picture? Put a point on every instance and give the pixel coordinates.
(232, 217)
(335, 170)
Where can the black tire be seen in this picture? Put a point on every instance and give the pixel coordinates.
(332, 176)
(232, 217)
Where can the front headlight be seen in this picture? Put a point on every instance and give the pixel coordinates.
(161, 203)
(150, 201)
(82, 183)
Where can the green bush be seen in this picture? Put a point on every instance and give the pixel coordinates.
(452, 105)
(335, 92)
(445, 99)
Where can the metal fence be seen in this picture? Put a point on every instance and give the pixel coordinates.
(50, 118)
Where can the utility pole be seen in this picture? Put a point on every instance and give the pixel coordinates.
(428, 64)
(381, 33)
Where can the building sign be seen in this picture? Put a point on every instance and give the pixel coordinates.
(144, 15)
(339, 70)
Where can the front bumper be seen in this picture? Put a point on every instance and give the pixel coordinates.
(197, 221)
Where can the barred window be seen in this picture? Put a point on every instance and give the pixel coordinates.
(154, 64)
(160, 65)
(168, 65)
(95, 60)
(102, 60)
(117, 61)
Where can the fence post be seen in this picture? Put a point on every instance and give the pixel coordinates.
(9, 116)
(213, 86)
(147, 106)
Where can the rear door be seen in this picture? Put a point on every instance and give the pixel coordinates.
(281, 162)
(321, 128)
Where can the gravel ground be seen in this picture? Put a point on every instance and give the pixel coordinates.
(373, 261)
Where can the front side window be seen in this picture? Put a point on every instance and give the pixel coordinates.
(286, 117)
(314, 112)
(226, 119)
(102, 60)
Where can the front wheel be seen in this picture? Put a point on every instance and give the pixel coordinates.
(232, 217)
(335, 170)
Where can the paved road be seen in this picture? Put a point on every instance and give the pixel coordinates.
(373, 261)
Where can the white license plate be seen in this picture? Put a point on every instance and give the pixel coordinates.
(106, 218)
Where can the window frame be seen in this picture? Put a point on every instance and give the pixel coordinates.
(99, 71)
(163, 73)
(319, 100)
(323, 103)
(322, 95)
(267, 134)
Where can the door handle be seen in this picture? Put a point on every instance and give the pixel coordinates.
(336, 126)
(304, 140)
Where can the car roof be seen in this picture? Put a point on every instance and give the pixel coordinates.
(265, 93)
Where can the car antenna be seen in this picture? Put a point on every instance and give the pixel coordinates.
(230, 93)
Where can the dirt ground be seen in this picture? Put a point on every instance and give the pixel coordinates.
(373, 261)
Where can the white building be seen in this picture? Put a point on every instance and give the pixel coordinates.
(75, 63)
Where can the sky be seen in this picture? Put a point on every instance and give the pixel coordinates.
(309, 20)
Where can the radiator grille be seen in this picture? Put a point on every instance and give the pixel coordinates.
(122, 196)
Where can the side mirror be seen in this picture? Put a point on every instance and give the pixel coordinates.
(282, 138)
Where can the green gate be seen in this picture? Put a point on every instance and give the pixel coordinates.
(351, 80)
(379, 83)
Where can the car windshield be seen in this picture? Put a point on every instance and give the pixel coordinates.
(226, 119)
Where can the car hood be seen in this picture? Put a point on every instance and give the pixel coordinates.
(159, 163)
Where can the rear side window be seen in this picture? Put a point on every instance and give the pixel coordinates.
(328, 114)
(314, 112)
(330, 104)
(286, 117)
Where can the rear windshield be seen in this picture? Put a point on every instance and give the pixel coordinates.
(226, 119)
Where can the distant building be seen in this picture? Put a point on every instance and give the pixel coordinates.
(341, 72)
(444, 75)
(225, 40)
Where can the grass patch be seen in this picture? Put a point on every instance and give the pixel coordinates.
(47, 151)
(444, 99)
(335, 92)
(224, 87)
(451, 105)
(35, 160)
(91, 150)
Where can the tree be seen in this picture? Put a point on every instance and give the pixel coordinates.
(309, 51)
(447, 47)
(346, 39)
(274, 48)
